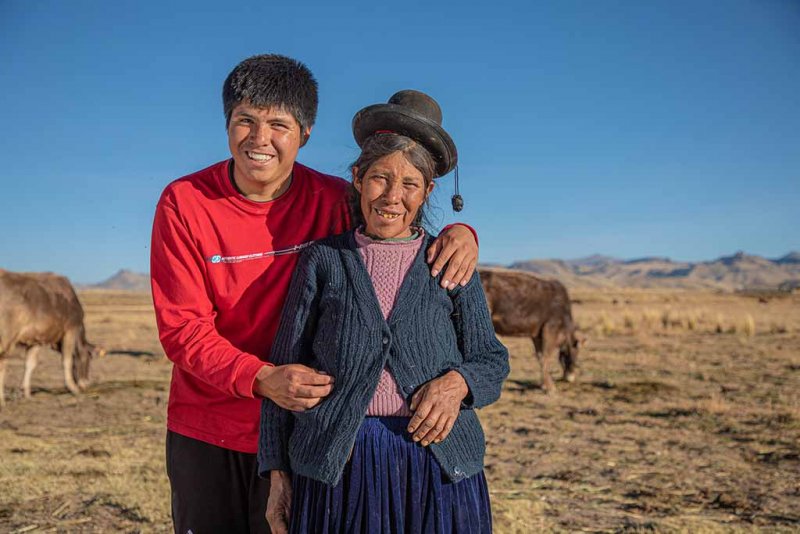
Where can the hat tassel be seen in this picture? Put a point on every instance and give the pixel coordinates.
(458, 202)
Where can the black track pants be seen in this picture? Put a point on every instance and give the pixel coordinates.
(214, 489)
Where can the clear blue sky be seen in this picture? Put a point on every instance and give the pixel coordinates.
(626, 128)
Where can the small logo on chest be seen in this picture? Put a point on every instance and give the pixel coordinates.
(219, 258)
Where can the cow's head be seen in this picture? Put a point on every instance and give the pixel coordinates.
(568, 354)
(83, 358)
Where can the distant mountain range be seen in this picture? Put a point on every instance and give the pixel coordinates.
(728, 273)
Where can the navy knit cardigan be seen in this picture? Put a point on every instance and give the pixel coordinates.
(332, 321)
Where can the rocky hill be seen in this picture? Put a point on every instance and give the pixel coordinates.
(125, 280)
(729, 273)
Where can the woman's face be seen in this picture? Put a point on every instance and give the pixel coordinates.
(392, 192)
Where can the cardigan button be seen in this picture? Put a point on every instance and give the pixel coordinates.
(385, 340)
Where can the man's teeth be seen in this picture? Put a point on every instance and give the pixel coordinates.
(387, 215)
(259, 157)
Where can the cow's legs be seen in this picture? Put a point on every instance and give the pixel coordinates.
(537, 346)
(81, 360)
(81, 375)
(2, 379)
(548, 355)
(68, 345)
(31, 360)
(540, 347)
(83, 383)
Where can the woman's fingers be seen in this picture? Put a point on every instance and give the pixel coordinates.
(448, 426)
(437, 425)
(426, 425)
(435, 412)
(277, 524)
(279, 502)
(277, 515)
(435, 409)
(416, 398)
(420, 414)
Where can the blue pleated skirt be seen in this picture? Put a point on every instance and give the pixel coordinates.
(390, 485)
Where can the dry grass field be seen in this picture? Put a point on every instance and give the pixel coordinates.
(685, 418)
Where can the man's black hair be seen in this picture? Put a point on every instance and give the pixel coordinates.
(272, 80)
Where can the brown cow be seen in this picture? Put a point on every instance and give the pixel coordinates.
(42, 310)
(522, 304)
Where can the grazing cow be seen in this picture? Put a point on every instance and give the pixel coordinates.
(42, 310)
(522, 304)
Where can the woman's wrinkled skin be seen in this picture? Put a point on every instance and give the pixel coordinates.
(279, 501)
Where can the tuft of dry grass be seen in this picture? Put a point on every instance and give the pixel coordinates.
(650, 318)
(719, 326)
(748, 326)
(629, 321)
(666, 319)
(607, 326)
(692, 320)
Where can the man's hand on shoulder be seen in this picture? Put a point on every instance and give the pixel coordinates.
(457, 248)
(293, 387)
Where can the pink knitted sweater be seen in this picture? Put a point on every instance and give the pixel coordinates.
(387, 263)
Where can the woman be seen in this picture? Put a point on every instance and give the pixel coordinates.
(396, 447)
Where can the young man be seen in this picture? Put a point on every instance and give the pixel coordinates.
(224, 246)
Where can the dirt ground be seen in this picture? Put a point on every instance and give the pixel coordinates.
(685, 418)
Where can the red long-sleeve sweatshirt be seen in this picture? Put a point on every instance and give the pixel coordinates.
(220, 269)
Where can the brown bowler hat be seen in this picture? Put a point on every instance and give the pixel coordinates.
(412, 114)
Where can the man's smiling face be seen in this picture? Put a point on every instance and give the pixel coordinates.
(264, 145)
